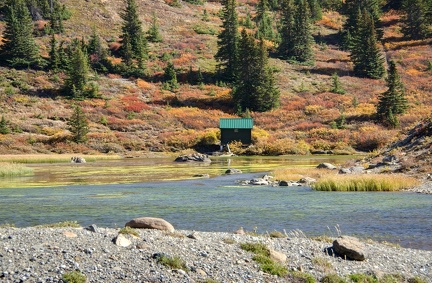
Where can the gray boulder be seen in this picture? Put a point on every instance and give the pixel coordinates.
(150, 223)
(349, 248)
(326, 166)
(194, 157)
(77, 159)
(307, 181)
(233, 171)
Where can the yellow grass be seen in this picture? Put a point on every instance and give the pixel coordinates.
(365, 182)
(51, 158)
(295, 174)
(13, 169)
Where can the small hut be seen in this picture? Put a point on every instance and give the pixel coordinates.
(236, 129)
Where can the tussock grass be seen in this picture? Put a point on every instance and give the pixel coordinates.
(74, 277)
(13, 169)
(129, 231)
(174, 262)
(262, 256)
(366, 183)
(296, 174)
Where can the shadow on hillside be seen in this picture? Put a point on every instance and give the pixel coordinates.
(329, 71)
(389, 23)
(193, 77)
(329, 39)
(44, 93)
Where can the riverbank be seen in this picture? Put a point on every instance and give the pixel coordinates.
(45, 254)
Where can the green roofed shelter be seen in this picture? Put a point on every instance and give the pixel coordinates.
(236, 129)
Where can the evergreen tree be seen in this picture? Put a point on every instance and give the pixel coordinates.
(153, 34)
(365, 53)
(296, 36)
(78, 125)
(315, 10)
(54, 58)
(97, 53)
(19, 48)
(77, 73)
(255, 88)
(392, 102)
(286, 29)
(227, 54)
(134, 43)
(416, 20)
(337, 87)
(170, 77)
(4, 128)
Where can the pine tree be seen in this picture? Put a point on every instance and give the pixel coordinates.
(227, 54)
(170, 77)
(255, 88)
(286, 31)
(337, 87)
(365, 53)
(4, 128)
(19, 48)
(78, 125)
(392, 102)
(134, 43)
(315, 10)
(77, 72)
(416, 20)
(54, 57)
(153, 34)
(302, 34)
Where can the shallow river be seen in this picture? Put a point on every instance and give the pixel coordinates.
(219, 204)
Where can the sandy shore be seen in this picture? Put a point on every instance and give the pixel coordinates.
(45, 254)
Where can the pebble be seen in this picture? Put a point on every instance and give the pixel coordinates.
(45, 254)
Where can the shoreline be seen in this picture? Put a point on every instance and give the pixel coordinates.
(43, 254)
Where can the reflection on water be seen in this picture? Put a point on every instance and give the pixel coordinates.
(218, 204)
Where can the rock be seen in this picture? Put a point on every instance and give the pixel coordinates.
(326, 166)
(390, 159)
(284, 183)
(352, 170)
(69, 234)
(233, 171)
(77, 159)
(239, 231)
(201, 176)
(349, 248)
(344, 171)
(150, 223)
(122, 241)
(93, 228)
(277, 256)
(307, 181)
(194, 236)
(194, 157)
(259, 182)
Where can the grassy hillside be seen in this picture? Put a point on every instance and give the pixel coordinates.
(139, 115)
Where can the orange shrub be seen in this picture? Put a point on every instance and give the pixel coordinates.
(133, 103)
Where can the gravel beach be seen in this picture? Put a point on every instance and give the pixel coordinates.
(45, 254)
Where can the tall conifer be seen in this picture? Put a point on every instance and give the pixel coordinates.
(392, 102)
(134, 43)
(365, 53)
(227, 54)
(286, 29)
(255, 88)
(77, 72)
(19, 48)
(415, 20)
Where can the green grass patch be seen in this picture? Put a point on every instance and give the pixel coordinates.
(63, 224)
(365, 183)
(174, 262)
(74, 277)
(299, 276)
(13, 169)
(262, 256)
(363, 278)
(129, 231)
(333, 278)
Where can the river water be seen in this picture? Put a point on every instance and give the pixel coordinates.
(220, 204)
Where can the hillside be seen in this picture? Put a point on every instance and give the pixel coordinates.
(138, 115)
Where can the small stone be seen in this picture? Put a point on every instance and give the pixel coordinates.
(122, 241)
(69, 234)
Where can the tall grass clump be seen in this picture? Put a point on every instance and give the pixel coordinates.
(365, 183)
(13, 169)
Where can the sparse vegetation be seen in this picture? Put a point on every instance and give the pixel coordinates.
(174, 262)
(129, 231)
(262, 256)
(74, 277)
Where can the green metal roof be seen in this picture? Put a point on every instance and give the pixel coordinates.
(236, 123)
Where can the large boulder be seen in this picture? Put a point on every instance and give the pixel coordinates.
(349, 248)
(233, 171)
(150, 223)
(194, 157)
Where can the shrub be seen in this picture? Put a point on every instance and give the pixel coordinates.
(129, 231)
(74, 277)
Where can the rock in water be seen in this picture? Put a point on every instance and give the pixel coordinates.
(349, 248)
(151, 223)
